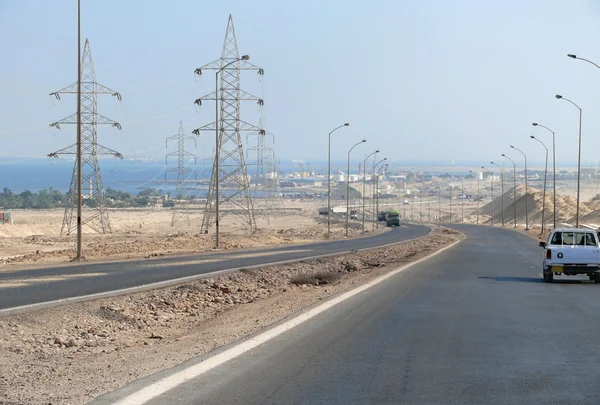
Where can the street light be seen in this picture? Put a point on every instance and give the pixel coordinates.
(514, 189)
(364, 186)
(558, 96)
(462, 205)
(329, 179)
(492, 203)
(526, 192)
(383, 169)
(348, 185)
(477, 212)
(545, 174)
(535, 124)
(502, 189)
(217, 146)
(376, 191)
(570, 55)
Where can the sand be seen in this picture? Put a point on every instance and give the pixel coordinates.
(34, 237)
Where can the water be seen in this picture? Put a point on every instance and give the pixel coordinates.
(123, 175)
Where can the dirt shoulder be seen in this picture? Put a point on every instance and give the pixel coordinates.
(38, 250)
(73, 353)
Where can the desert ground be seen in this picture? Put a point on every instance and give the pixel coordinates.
(34, 236)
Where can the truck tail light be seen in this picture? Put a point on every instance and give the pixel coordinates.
(548, 254)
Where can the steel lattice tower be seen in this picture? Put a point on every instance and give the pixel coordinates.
(234, 185)
(183, 172)
(265, 167)
(90, 169)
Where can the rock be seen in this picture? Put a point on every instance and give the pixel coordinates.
(155, 336)
(225, 289)
(60, 341)
(350, 267)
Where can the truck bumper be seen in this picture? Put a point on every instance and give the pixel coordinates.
(572, 270)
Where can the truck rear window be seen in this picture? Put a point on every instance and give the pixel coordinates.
(573, 238)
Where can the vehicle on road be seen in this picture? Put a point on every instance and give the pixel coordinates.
(392, 218)
(353, 214)
(382, 216)
(571, 251)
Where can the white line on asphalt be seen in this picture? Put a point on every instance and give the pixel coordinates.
(165, 384)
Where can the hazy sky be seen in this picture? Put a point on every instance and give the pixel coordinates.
(422, 79)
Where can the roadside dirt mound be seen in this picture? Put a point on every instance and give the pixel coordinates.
(566, 207)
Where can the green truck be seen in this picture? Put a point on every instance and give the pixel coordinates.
(392, 218)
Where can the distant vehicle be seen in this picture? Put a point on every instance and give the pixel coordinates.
(392, 218)
(382, 216)
(405, 202)
(353, 214)
(571, 251)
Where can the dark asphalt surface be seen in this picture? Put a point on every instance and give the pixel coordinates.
(59, 282)
(473, 325)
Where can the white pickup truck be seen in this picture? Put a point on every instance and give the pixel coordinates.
(571, 251)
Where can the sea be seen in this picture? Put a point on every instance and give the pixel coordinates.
(126, 175)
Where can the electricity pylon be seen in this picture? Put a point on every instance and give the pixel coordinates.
(183, 174)
(234, 185)
(97, 218)
(264, 181)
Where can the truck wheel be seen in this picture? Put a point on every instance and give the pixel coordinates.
(544, 275)
(597, 278)
(549, 277)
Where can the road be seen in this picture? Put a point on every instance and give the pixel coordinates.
(473, 325)
(24, 287)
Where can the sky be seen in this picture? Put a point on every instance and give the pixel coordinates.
(427, 80)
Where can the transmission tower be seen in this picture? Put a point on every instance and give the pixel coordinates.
(264, 180)
(234, 185)
(90, 169)
(183, 173)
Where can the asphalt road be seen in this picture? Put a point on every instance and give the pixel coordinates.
(473, 325)
(23, 287)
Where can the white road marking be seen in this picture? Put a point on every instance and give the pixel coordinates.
(161, 386)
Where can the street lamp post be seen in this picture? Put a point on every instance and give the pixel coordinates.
(535, 124)
(439, 204)
(375, 198)
(558, 96)
(526, 191)
(428, 207)
(545, 174)
(514, 190)
(501, 189)
(218, 147)
(450, 204)
(477, 212)
(585, 60)
(348, 186)
(364, 186)
(492, 203)
(383, 169)
(329, 179)
(462, 205)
